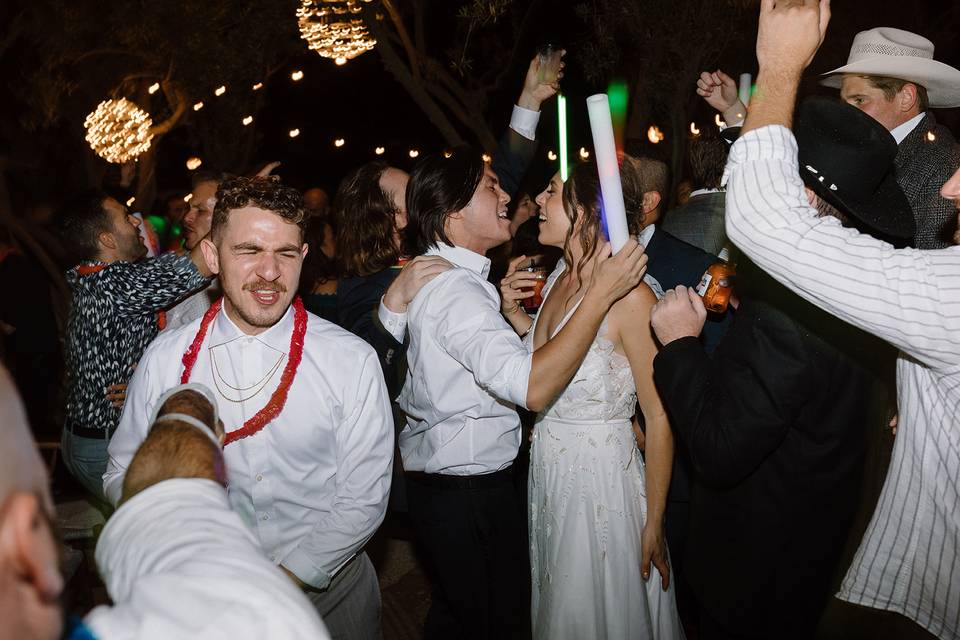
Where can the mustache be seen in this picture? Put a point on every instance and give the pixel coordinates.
(263, 285)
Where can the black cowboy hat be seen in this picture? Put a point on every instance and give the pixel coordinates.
(846, 157)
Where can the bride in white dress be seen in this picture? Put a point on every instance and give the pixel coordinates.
(598, 554)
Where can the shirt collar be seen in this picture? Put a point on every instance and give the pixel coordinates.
(276, 337)
(461, 257)
(900, 133)
(644, 237)
(701, 192)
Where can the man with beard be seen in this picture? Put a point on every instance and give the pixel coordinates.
(308, 447)
(118, 298)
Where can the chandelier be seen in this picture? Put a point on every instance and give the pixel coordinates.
(118, 130)
(334, 28)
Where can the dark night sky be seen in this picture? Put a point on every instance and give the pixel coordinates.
(362, 103)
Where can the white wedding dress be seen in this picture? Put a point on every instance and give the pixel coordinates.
(587, 508)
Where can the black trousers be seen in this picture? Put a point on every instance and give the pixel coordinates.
(474, 537)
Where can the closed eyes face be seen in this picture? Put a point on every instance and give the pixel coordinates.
(554, 223)
(258, 257)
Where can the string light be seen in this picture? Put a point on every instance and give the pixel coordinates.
(130, 201)
(584, 154)
(719, 121)
(257, 86)
(340, 61)
(551, 156)
(118, 130)
(379, 151)
(931, 137)
(296, 76)
(449, 154)
(694, 129)
(194, 163)
(247, 120)
(334, 28)
(414, 153)
(294, 133)
(339, 142)
(154, 88)
(198, 106)
(187, 197)
(654, 135)
(219, 91)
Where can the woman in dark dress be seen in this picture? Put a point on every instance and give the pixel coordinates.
(318, 278)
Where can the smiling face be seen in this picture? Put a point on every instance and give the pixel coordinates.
(258, 256)
(483, 224)
(196, 223)
(554, 221)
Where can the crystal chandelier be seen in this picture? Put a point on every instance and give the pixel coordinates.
(118, 130)
(334, 28)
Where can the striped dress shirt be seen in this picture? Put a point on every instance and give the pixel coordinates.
(909, 559)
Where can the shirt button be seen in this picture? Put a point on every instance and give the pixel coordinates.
(259, 478)
(265, 516)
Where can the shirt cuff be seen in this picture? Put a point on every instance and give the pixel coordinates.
(772, 142)
(524, 121)
(300, 565)
(394, 323)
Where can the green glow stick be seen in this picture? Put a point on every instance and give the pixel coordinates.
(562, 123)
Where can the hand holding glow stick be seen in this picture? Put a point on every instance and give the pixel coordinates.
(612, 210)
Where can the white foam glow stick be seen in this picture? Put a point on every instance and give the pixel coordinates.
(612, 209)
(746, 84)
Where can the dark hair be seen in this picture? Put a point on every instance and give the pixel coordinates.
(365, 220)
(81, 219)
(199, 177)
(892, 86)
(582, 189)
(317, 267)
(708, 157)
(264, 192)
(440, 184)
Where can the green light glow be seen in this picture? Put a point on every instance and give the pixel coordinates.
(618, 95)
(562, 124)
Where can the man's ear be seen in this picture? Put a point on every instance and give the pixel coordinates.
(304, 250)
(107, 240)
(210, 255)
(908, 97)
(27, 546)
(651, 200)
(811, 196)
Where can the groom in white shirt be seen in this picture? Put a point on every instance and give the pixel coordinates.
(467, 371)
(309, 439)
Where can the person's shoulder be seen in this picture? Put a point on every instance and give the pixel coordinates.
(172, 343)
(325, 336)
(678, 248)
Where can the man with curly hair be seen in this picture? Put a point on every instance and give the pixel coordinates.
(308, 444)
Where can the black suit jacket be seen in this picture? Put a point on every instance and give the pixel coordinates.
(775, 423)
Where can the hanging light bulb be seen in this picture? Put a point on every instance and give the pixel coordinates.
(257, 86)
(194, 163)
(486, 158)
(219, 91)
(694, 129)
(198, 106)
(130, 201)
(294, 133)
(296, 76)
(339, 142)
(247, 120)
(584, 154)
(551, 156)
(118, 130)
(719, 120)
(154, 88)
(414, 153)
(379, 151)
(334, 28)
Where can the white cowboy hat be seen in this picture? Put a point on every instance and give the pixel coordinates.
(894, 53)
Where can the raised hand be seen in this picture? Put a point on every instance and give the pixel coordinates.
(679, 314)
(614, 277)
(790, 33)
(515, 286)
(534, 93)
(411, 279)
(718, 89)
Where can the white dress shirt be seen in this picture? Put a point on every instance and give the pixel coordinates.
(524, 121)
(193, 306)
(467, 370)
(313, 484)
(901, 132)
(178, 563)
(909, 559)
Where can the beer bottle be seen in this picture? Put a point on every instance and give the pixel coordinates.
(716, 285)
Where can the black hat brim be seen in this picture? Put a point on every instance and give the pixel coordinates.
(886, 211)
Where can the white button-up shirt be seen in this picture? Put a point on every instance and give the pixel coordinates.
(179, 563)
(909, 560)
(900, 133)
(467, 370)
(313, 483)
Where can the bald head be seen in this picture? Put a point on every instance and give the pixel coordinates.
(176, 449)
(30, 581)
(316, 201)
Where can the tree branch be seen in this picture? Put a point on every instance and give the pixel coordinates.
(397, 20)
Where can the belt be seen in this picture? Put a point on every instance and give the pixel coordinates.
(446, 481)
(87, 432)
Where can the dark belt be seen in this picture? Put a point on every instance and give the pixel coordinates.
(446, 481)
(87, 432)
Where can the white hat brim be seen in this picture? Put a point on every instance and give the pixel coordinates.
(941, 81)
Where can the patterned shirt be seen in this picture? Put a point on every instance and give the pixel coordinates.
(909, 559)
(112, 320)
